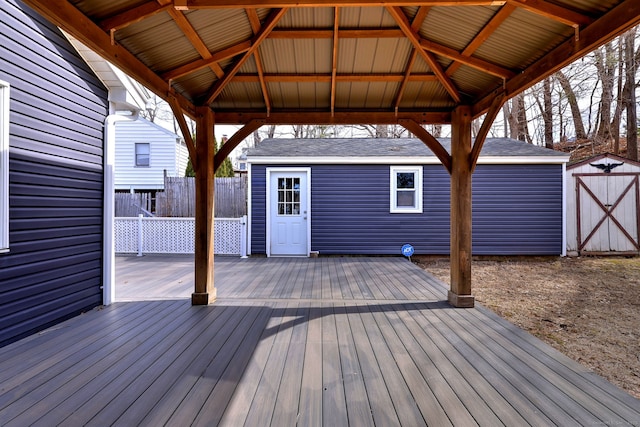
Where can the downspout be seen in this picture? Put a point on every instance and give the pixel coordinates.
(108, 276)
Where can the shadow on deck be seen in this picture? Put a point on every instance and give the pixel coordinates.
(327, 341)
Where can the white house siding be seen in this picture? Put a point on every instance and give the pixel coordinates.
(609, 189)
(166, 152)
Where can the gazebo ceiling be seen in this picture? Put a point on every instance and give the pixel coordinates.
(296, 61)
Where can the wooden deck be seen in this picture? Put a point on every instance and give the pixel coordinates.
(309, 342)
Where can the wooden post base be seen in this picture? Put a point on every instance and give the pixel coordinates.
(461, 301)
(203, 298)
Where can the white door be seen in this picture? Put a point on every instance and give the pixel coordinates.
(289, 213)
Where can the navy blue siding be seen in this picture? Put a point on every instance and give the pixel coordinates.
(54, 268)
(517, 209)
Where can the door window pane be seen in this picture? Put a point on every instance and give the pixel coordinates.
(289, 196)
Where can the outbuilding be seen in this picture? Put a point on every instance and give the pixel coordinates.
(602, 210)
(371, 196)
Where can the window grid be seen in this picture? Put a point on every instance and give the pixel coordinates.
(142, 153)
(288, 196)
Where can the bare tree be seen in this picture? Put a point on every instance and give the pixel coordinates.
(630, 96)
(606, 67)
(573, 104)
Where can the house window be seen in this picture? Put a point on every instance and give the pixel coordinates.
(4, 166)
(142, 154)
(406, 189)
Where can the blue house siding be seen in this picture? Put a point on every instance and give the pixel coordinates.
(517, 209)
(54, 267)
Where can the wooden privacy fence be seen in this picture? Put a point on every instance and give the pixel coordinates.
(179, 199)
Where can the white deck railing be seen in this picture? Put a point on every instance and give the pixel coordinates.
(177, 235)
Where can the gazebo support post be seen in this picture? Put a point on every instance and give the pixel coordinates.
(205, 291)
(461, 170)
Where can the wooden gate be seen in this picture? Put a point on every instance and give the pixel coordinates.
(607, 206)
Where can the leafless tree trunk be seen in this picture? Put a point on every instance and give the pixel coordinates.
(573, 104)
(605, 64)
(547, 113)
(630, 96)
(382, 131)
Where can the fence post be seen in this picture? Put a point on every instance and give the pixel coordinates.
(140, 240)
(243, 236)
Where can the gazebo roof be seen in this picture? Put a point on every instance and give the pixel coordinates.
(341, 61)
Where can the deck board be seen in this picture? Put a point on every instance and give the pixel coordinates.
(321, 341)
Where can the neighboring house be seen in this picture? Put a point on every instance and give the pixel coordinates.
(143, 150)
(603, 207)
(144, 153)
(372, 196)
(52, 114)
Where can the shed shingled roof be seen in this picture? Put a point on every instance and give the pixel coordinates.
(388, 147)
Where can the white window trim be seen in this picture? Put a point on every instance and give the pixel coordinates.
(4, 166)
(393, 170)
(135, 154)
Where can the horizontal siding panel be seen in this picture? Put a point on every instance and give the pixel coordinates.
(517, 210)
(54, 267)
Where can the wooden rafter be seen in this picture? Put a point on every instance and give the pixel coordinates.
(326, 78)
(414, 38)
(553, 11)
(327, 33)
(482, 36)
(193, 37)
(476, 63)
(234, 4)
(334, 57)
(419, 18)
(405, 80)
(271, 22)
(221, 55)
(133, 15)
(339, 117)
(254, 21)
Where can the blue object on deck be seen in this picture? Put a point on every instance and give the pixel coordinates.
(407, 250)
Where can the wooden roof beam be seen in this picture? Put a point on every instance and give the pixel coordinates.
(405, 80)
(326, 78)
(334, 57)
(234, 4)
(195, 40)
(490, 117)
(269, 24)
(344, 33)
(194, 66)
(482, 36)
(552, 11)
(254, 21)
(419, 18)
(133, 15)
(414, 38)
(301, 117)
(470, 61)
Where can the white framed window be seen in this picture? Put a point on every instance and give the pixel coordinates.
(406, 189)
(4, 166)
(143, 150)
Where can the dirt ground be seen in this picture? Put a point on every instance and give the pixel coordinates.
(587, 308)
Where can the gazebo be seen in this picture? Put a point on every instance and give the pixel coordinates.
(341, 62)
